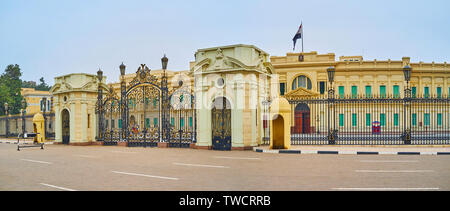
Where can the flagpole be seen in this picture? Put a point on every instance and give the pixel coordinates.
(303, 35)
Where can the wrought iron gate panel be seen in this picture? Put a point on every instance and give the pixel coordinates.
(221, 125)
(140, 116)
(182, 118)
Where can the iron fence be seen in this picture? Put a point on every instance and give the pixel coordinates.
(370, 120)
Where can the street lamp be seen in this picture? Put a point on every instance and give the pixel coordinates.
(24, 106)
(164, 62)
(331, 71)
(407, 133)
(44, 99)
(331, 130)
(123, 103)
(165, 103)
(122, 69)
(407, 73)
(100, 75)
(6, 122)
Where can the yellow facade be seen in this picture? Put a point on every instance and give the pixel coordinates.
(34, 99)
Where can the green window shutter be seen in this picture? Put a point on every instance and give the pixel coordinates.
(396, 91)
(368, 91)
(190, 121)
(147, 122)
(439, 92)
(182, 122)
(322, 87)
(154, 102)
(413, 92)
(383, 91)
(155, 122)
(172, 121)
(383, 119)
(426, 118)
(341, 120)
(354, 91)
(427, 92)
(368, 121)
(181, 98)
(282, 88)
(120, 123)
(414, 119)
(439, 119)
(395, 119)
(354, 120)
(341, 92)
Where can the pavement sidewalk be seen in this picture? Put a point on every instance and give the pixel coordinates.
(361, 150)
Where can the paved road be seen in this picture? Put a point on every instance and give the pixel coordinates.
(119, 168)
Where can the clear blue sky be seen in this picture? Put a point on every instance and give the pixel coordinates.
(51, 38)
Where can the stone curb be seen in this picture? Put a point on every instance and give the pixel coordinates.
(286, 151)
(24, 143)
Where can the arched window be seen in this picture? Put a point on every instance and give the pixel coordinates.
(301, 81)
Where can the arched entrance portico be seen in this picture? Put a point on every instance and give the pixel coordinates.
(65, 117)
(302, 119)
(221, 124)
(278, 132)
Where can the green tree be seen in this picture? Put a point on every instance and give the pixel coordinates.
(10, 86)
(42, 86)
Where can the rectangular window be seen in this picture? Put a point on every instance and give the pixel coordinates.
(341, 92)
(190, 122)
(322, 87)
(439, 92)
(106, 123)
(88, 120)
(155, 122)
(182, 122)
(395, 119)
(439, 119)
(426, 119)
(172, 121)
(354, 91)
(427, 92)
(368, 91)
(368, 121)
(120, 123)
(354, 120)
(147, 122)
(413, 92)
(112, 123)
(396, 91)
(383, 91)
(154, 103)
(341, 120)
(414, 119)
(383, 119)
(282, 88)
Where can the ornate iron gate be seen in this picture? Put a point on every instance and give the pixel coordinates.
(140, 116)
(182, 115)
(221, 124)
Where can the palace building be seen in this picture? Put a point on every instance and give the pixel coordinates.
(237, 97)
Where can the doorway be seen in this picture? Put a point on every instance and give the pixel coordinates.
(65, 126)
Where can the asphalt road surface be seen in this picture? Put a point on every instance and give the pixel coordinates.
(72, 168)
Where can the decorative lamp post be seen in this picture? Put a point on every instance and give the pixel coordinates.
(24, 106)
(6, 122)
(123, 102)
(165, 101)
(331, 130)
(44, 100)
(100, 105)
(407, 100)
